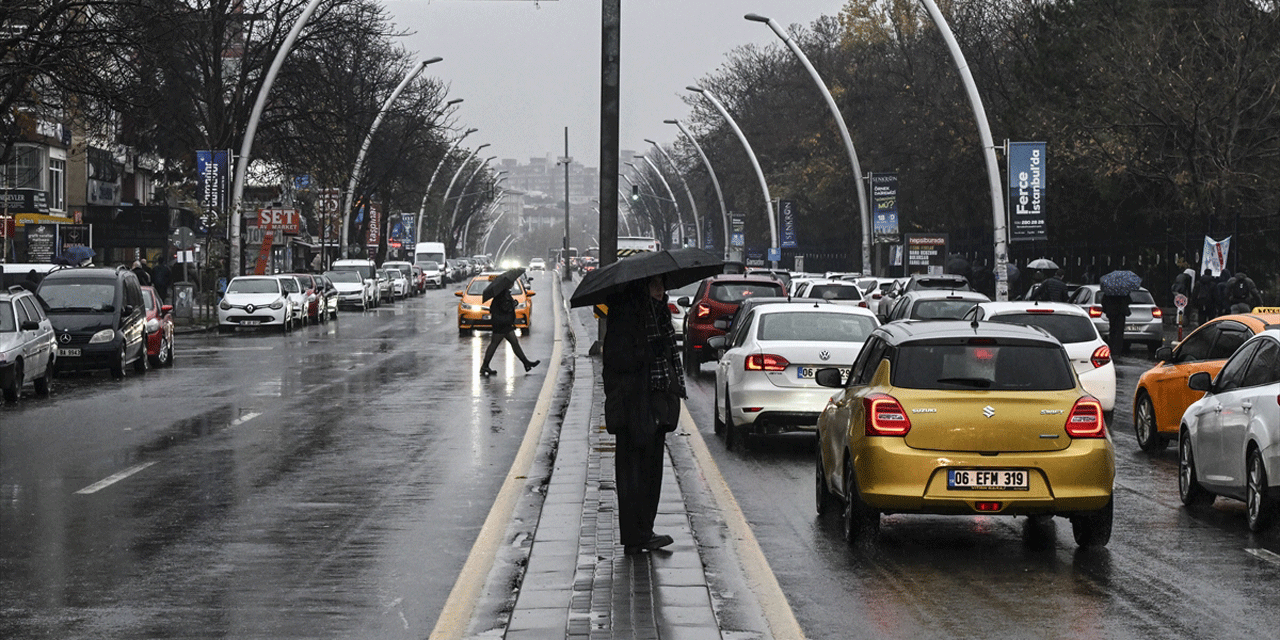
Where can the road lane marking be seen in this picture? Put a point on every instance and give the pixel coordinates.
(112, 479)
(1264, 554)
(244, 418)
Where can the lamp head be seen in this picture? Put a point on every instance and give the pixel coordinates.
(651, 142)
(453, 101)
(695, 89)
(482, 146)
(431, 60)
(755, 17)
(670, 122)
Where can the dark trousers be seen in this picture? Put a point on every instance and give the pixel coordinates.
(1115, 334)
(509, 336)
(638, 475)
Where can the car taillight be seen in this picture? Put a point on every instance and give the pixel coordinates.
(1157, 312)
(703, 310)
(1095, 311)
(885, 416)
(671, 306)
(1038, 310)
(1101, 356)
(863, 304)
(1085, 420)
(765, 362)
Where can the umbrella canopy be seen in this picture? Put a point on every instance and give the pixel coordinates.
(1120, 283)
(679, 266)
(501, 282)
(1042, 263)
(77, 254)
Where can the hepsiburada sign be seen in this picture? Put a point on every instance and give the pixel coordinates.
(1026, 191)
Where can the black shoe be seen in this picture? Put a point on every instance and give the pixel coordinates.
(653, 543)
(528, 366)
(485, 371)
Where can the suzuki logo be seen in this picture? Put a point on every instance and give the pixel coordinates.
(988, 411)
(824, 355)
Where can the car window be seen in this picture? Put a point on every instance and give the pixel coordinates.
(1229, 339)
(7, 323)
(256, 285)
(941, 309)
(1066, 328)
(149, 301)
(78, 296)
(1232, 374)
(1197, 345)
(740, 334)
(343, 276)
(1141, 297)
(982, 364)
(739, 291)
(867, 362)
(23, 315)
(290, 285)
(1265, 366)
(33, 310)
(833, 292)
(1082, 296)
(815, 326)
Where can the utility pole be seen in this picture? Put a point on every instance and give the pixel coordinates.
(566, 160)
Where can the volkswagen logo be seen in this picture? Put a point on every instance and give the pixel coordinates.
(988, 411)
(65, 339)
(248, 308)
(824, 355)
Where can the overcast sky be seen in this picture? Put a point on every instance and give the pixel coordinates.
(527, 70)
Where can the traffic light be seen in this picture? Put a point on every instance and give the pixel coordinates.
(635, 192)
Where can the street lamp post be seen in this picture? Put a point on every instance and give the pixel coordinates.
(458, 205)
(246, 145)
(684, 240)
(444, 197)
(844, 133)
(755, 163)
(724, 213)
(693, 206)
(422, 211)
(654, 217)
(364, 148)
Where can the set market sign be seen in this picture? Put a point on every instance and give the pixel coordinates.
(281, 219)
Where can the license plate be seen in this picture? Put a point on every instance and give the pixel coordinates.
(68, 353)
(1133, 328)
(807, 373)
(988, 480)
(250, 323)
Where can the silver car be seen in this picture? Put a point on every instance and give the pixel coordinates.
(1229, 440)
(28, 349)
(1144, 325)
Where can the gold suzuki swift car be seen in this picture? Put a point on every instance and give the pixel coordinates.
(964, 418)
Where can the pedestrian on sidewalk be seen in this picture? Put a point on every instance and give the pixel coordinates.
(1242, 292)
(1206, 288)
(503, 312)
(643, 385)
(1053, 289)
(1116, 308)
(161, 278)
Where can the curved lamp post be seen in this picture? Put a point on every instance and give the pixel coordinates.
(444, 197)
(724, 213)
(844, 133)
(422, 211)
(988, 150)
(246, 145)
(364, 148)
(755, 164)
(693, 206)
(458, 205)
(679, 218)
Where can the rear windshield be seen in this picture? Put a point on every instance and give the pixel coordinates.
(256, 285)
(834, 292)
(991, 367)
(78, 296)
(942, 283)
(1066, 328)
(815, 326)
(739, 291)
(1141, 297)
(941, 309)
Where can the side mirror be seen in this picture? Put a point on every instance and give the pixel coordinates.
(531, 293)
(167, 308)
(829, 377)
(716, 342)
(684, 301)
(1164, 354)
(722, 324)
(30, 325)
(457, 293)
(1200, 381)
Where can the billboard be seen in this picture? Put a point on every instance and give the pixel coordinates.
(787, 224)
(1026, 191)
(926, 253)
(884, 207)
(212, 172)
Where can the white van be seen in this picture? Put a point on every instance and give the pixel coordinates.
(429, 252)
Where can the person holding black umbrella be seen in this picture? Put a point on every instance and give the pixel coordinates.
(502, 311)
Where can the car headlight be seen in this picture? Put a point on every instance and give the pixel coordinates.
(224, 305)
(153, 325)
(278, 304)
(522, 305)
(106, 335)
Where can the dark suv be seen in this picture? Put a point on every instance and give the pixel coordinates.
(99, 318)
(717, 298)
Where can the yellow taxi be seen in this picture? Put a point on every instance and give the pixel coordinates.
(964, 418)
(1162, 394)
(473, 313)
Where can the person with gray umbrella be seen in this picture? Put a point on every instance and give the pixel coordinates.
(502, 311)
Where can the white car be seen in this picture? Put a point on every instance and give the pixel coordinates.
(836, 291)
(1229, 440)
(28, 349)
(255, 301)
(297, 299)
(406, 270)
(537, 264)
(399, 283)
(353, 290)
(677, 310)
(1090, 356)
(764, 379)
(435, 277)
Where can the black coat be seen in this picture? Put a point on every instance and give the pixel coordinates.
(502, 311)
(632, 411)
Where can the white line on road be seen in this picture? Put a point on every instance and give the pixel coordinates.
(1263, 554)
(112, 479)
(243, 419)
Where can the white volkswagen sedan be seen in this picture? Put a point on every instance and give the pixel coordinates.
(255, 301)
(1229, 440)
(1071, 325)
(764, 380)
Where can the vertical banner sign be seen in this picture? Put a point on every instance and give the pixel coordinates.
(884, 207)
(787, 223)
(1214, 255)
(375, 224)
(708, 242)
(737, 230)
(328, 202)
(407, 229)
(1026, 191)
(926, 253)
(211, 176)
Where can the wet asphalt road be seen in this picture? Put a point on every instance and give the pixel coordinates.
(1169, 572)
(328, 483)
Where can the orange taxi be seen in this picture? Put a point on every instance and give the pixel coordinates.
(473, 313)
(1163, 395)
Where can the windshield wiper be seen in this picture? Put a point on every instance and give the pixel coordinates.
(981, 383)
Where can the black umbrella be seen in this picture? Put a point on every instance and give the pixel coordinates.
(501, 282)
(679, 266)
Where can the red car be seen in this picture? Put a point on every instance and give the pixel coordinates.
(717, 298)
(313, 291)
(159, 326)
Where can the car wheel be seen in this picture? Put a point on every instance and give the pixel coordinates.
(44, 382)
(168, 354)
(1144, 425)
(117, 367)
(719, 423)
(823, 498)
(1261, 506)
(143, 362)
(11, 390)
(730, 430)
(861, 522)
(1093, 529)
(1189, 489)
(464, 332)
